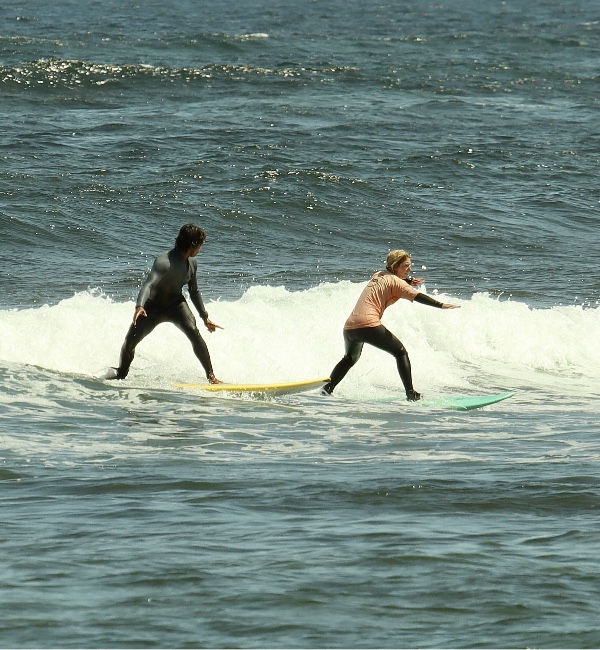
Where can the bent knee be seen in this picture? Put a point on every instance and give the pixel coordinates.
(351, 359)
(400, 349)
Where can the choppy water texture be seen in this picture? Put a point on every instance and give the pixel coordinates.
(308, 138)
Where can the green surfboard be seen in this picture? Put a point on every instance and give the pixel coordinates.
(466, 402)
(452, 402)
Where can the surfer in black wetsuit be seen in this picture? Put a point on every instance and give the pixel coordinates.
(161, 300)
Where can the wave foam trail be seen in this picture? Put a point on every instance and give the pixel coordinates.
(272, 334)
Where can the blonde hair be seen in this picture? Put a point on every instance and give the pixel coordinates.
(394, 258)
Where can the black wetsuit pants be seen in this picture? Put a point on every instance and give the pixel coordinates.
(181, 316)
(379, 337)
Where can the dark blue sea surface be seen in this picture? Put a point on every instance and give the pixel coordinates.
(308, 138)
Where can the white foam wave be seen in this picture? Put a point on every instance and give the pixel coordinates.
(272, 334)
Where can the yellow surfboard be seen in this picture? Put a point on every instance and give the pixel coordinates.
(258, 389)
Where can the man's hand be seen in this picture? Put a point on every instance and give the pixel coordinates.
(139, 311)
(210, 326)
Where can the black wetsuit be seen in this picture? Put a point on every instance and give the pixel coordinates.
(162, 298)
(379, 337)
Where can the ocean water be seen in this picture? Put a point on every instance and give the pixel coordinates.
(308, 138)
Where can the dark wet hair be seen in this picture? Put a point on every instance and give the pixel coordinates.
(189, 237)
